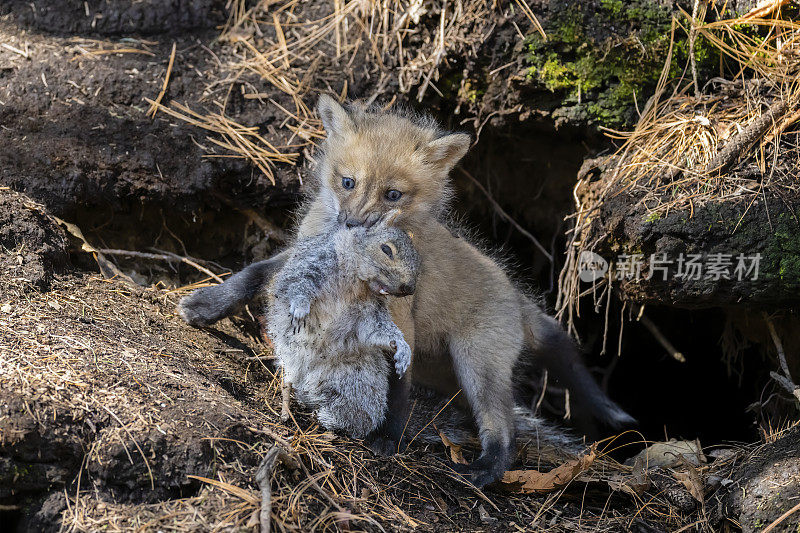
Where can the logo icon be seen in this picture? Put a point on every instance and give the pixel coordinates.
(591, 267)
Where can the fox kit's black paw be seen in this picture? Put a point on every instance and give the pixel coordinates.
(202, 307)
(383, 445)
(488, 468)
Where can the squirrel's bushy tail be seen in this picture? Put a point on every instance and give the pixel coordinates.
(431, 414)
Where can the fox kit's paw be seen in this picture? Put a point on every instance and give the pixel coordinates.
(202, 307)
(402, 355)
(382, 445)
(488, 468)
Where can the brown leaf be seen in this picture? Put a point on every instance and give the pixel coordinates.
(533, 481)
(455, 450)
(692, 480)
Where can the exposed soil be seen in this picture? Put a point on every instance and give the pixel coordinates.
(107, 394)
(117, 16)
(108, 402)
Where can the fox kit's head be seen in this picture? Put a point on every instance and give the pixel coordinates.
(375, 162)
(384, 257)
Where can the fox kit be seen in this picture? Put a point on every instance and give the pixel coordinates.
(470, 327)
(329, 321)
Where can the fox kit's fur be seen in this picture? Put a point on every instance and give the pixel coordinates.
(329, 321)
(469, 323)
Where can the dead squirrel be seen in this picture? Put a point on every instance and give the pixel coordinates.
(329, 321)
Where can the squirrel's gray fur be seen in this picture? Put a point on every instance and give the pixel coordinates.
(329, 321)
(330, 325)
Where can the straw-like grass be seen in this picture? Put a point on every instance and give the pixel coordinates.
(288, 52)
(688, 150)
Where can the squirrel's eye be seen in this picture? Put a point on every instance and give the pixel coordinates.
(393, 195)
(348, 183)
(388, 251)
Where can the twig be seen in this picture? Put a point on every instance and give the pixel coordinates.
(782, 517)
(107, 268)
(507, 217)
(23, 53)
(692, 39)
(286, 394)
(154, 105)
(662, 340)
(263, 477)
(786, 380)
(764, 8)
(162, 256)
(744, 139)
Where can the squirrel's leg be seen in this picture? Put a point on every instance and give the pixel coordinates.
(383, 333)
(388, 438)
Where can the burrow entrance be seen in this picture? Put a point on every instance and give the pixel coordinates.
(518, 176)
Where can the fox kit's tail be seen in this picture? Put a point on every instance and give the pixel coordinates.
(205, 306)
(557, 352)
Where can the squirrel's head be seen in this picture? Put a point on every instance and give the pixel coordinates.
(386, 258)
(374, 161)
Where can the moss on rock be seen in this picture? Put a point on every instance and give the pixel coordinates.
(603, 57)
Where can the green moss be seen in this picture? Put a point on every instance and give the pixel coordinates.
(652, 217)
(603, 62)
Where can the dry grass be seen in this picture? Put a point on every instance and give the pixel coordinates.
(93, 353)
(731, 142)
(287, 52)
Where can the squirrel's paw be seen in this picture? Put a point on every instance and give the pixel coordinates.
(402, 356)
(299, 309)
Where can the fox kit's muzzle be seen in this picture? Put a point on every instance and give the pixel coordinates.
(355, 221)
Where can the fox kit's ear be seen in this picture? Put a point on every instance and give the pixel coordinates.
(448, 150)
(334, 117)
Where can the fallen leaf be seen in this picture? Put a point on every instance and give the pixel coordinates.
(455, 450)
(533, 481)
(691, 480)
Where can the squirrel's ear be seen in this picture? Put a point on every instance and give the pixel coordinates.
(448, 150)
(335, 118)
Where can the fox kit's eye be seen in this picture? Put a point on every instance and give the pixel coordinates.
(348, 183)
(388, 251)
(393, 195)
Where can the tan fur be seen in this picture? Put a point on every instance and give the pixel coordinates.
(467, 323)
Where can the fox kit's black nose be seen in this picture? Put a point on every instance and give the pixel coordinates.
(352, 222)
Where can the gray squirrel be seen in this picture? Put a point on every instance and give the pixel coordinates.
(328, 318)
